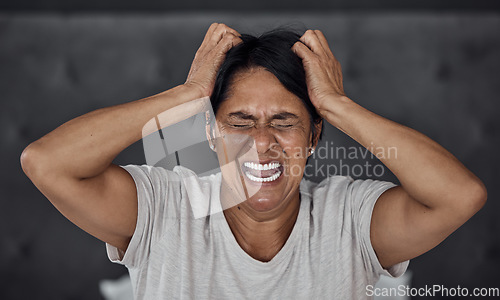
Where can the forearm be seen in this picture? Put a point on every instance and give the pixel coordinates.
(428, 173)
(85, 146)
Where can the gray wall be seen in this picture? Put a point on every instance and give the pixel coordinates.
(274, 6)
(437, 73)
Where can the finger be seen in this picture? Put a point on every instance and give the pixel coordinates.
(323, 42)
(232, 30)
(213, 37)
(219, 33)
(209, 33)
(228, 41)
(207, 37)
(311, 40)
(302, 50)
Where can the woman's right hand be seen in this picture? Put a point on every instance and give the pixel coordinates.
(209, 57)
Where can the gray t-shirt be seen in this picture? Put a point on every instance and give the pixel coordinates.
(173, 255)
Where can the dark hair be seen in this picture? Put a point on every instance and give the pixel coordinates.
(272, 51)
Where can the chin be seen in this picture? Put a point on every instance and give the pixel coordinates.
(262, 204)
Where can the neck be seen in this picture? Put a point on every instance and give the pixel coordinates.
(262, 234)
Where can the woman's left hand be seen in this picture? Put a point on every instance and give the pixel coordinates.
(323, 70)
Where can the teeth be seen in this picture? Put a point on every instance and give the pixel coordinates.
(264, 179)
(261, 167)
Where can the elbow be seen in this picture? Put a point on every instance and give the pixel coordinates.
(474, 197)
(31, 161)
(481, 195)
(26, 161)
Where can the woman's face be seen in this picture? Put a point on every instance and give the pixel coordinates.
(272, 136)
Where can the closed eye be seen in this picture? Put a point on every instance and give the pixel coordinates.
(281, 125)
(240, 125)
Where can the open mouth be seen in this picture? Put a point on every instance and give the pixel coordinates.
(262, 172)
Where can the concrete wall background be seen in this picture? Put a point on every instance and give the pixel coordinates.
(437, 73)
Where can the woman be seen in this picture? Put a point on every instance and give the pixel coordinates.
(289, 238)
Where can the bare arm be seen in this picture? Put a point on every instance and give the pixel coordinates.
(437, 193)
(72, 165)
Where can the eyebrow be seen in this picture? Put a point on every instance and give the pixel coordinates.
(279, 116)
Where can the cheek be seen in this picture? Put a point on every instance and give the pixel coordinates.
(295, 143)
(296, 164)
(296, 152)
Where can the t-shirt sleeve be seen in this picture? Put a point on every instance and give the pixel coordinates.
(158, 195)
(362, 195)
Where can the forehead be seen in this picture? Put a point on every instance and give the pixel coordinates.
(258, 92)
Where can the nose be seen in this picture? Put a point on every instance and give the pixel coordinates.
(264, 139)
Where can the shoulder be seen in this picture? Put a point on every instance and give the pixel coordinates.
(327, 198)
(179, 175)
(144, 174)
(343, 196)
(343, 186)
(333, 185)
